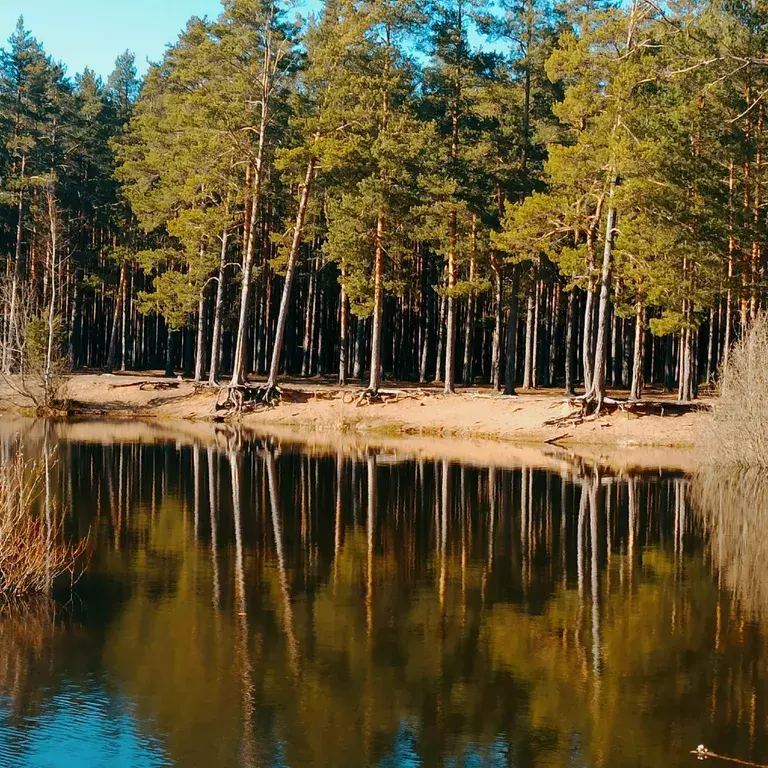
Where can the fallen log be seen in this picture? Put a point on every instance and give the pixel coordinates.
(148, 385)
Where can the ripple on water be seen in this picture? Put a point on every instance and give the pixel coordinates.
(79, 727)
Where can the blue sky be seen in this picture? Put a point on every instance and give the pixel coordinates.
(92, 33)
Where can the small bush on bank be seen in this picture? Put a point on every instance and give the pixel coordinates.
(32, 551)
(738, 432)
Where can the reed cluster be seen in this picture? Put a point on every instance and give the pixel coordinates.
(33, 550)
(738, 432)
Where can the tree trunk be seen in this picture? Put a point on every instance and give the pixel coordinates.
(529, 343)
(731, 265)
(710, 346)
(570, 343)
(469, 317)
(116, 314)
(200, 340)
(450, 320)
(357, 371)
(170, 350)
(597, 390)
(378, 307)
(428, 300)
(587, 350)
(124, 327)
(290, 271)
(343, 325)
(511, 367)
(637, 360)
(496, 343)
(49, 373)
(76, 324)
(12, 332)
(308, 322)
(213, 374)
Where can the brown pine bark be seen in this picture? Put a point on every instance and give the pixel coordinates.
(637, 360)
(511, 367)
(116, 314)
(496, 341)
(374, 382)
(597, 391)
(290, 271)
(213, 373)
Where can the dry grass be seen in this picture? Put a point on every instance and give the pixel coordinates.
(33, 553)
(733, 508)
(738, 432)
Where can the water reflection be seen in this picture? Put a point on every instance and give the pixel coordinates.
(250, 604)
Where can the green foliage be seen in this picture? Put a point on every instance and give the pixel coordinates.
(175, 297)
(36, 341)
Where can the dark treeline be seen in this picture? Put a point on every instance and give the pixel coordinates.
(518, 193)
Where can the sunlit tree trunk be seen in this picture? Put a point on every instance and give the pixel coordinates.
(12, 331)
(238, 366)
(597, 390)
(213, 373)
(637, 360)
(374, 381)
(290, 271)
(511, 367)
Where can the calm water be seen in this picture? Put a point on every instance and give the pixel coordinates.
(254, 604)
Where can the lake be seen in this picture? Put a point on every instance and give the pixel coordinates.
(256, 602)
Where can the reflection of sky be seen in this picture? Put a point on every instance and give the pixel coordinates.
(403, 754)
(79, 728)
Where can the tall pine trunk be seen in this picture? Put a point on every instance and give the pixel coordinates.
(343, 326)
(636, 390)
(529, 362)
(570, 343)
(290, 271)
(496, 342)
(116, 315)
(12, 332)
(238, 365)
(374, 382)
(511, 367)
(450, 318)
(597, 390)
(213, 373)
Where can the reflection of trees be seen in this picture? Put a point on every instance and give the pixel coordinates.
(734, 511)
(28, 631)
(373, 610)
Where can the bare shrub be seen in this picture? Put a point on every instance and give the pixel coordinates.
(738, 432)
(34, 364)
(733, 508)
(33, 553)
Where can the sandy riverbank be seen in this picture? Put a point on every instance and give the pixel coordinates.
(472, 414)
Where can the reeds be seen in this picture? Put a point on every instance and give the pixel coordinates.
(733, 507)
(33, 552)
(738, 432)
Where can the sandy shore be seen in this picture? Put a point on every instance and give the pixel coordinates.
(475, 415)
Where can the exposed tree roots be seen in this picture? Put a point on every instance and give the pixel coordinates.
(236, 400)
(383, 396)
(584, 408)
(231, 399)
(268, 395)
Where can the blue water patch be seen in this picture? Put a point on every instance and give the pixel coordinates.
(403, 754)
(76, 728)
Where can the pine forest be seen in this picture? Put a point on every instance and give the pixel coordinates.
(521, 194)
